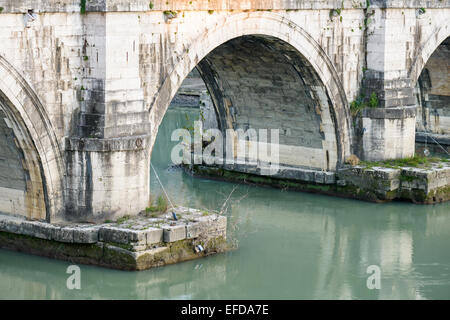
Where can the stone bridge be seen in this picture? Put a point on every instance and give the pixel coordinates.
(84, 85)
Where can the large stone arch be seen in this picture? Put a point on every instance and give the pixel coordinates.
(431, 80)
(35, 143)
(264, 24)
(427, 50)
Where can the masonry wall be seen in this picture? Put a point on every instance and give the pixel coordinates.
(104, 79)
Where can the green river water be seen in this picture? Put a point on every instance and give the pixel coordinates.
(291, 246)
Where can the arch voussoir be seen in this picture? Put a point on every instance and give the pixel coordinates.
(36, 137)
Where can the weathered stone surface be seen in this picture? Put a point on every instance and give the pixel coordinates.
(114, 234)
(65, 234)
(138, 245)
(174, 233)
(154, 236)
(85, 235)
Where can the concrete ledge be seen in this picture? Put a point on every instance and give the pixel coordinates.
(430, 138)
(285, 172)
(21, 6)
(133, 244)
(375, 184)
(389, 113)
(418, 185)
(107, 145)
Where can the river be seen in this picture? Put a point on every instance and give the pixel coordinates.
(292, 245)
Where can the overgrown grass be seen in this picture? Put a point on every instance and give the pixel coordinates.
(159, 207)
(415, 162)
(122, 219)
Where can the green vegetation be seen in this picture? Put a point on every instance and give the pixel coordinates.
(123, 219)
(361, 103)
(151, 5)
(334, 13)
(159, 207)
(83, 6)
(1, 9)
(337, 12)
(415, 162)
(170, 13)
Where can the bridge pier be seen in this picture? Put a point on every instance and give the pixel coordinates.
(388, 123)
(106, 178)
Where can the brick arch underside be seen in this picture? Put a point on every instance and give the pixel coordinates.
(433, 92)
(261, 82)
(22, 191)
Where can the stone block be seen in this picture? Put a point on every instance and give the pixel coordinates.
(85, 235)
(11, 224)
(174, 233)
(154, 235)
(63, 234)
(193, 230)
(113, 234)
(37, 229)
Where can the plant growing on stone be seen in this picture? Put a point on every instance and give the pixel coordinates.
(169, 14)
(361, 103)
(159, 207)
(83, 6)
(373, 101)
(123, 219)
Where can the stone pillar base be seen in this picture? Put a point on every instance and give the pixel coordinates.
(388, 133)
(106, 178)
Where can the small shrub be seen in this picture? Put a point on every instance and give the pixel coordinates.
(83, 6)
(373, 102)
(161, 206)
(123, 219)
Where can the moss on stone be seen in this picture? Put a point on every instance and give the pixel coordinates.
(116, 256)
(372, 186)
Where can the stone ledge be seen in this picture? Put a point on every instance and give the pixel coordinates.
(136, 231)
(133, 238)
(430, 138)
(107, 145)
(111, 256)
(21, 6)
(375, 184)
(389, 113)
(287, 172)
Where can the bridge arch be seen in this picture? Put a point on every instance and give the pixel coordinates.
(427, 50)
(431, 79)
(32, 172)
(269, 27)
